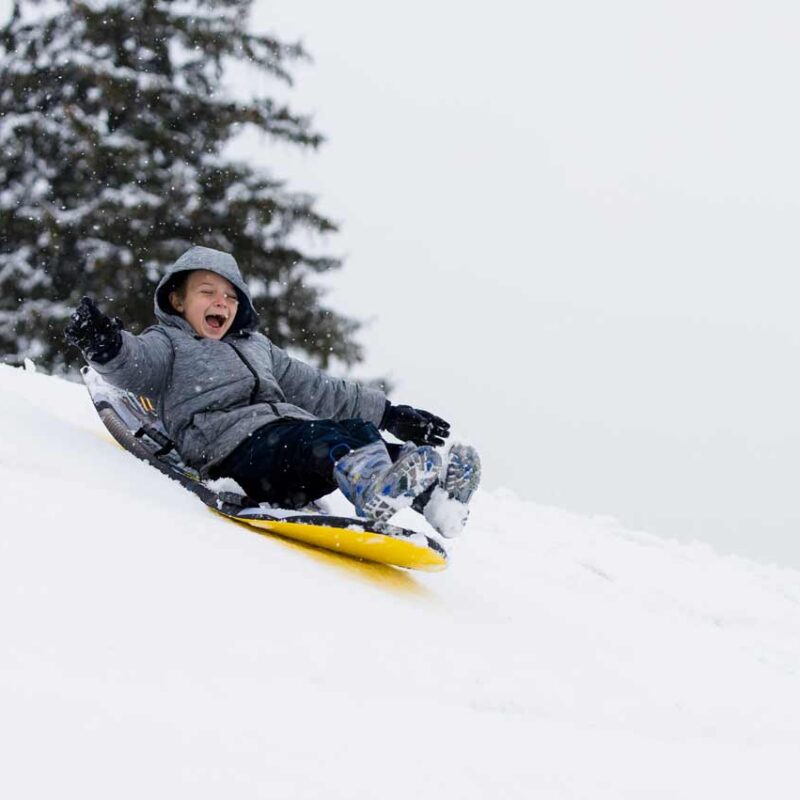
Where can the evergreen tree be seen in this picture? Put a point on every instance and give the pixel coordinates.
(113, 122)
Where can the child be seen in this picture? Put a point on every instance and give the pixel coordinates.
(238, 406)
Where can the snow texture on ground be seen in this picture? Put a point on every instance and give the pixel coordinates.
(151, 649)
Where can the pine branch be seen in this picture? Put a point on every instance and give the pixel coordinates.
(114, 121)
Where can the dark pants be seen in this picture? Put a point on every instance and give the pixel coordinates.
(289, 462)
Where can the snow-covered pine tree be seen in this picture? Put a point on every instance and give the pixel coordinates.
(114, 118)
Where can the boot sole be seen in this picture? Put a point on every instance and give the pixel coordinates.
(463, 473)
(409, 476)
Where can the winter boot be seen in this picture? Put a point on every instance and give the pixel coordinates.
(462, 472)
(444, 505)
(379, 488)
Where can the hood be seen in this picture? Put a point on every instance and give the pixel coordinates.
(223, 264)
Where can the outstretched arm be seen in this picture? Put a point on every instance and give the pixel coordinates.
(323, 395)
(137, 363)
(336, 398)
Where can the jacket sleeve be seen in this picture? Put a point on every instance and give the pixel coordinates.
(321, 394)
(142, 365)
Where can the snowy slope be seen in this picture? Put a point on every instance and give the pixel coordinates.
(151, 649)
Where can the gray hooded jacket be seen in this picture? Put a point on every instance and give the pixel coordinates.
(211, 394)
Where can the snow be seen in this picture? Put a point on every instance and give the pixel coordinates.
(151, 648)
(446, 515)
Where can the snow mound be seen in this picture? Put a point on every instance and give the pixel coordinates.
(150, 648)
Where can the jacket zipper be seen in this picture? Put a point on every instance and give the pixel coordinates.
(257, 385)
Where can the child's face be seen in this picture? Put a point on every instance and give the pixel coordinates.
(209, 303)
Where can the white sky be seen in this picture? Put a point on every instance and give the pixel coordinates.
(573, 226)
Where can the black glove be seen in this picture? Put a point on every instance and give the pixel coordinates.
(97, 335)
(415, 425)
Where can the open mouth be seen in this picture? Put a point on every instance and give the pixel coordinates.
(216, 321)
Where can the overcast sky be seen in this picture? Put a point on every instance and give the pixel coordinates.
(573, 227)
